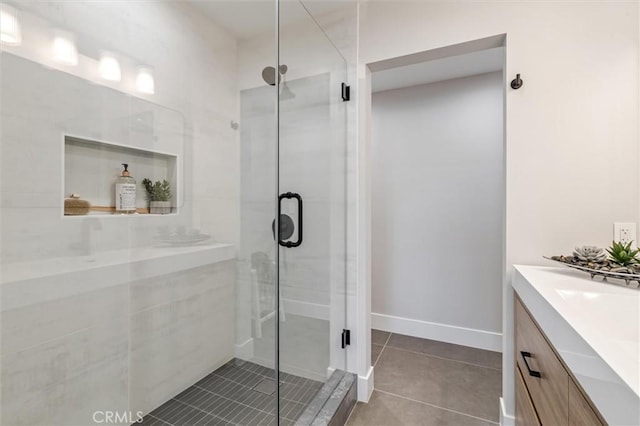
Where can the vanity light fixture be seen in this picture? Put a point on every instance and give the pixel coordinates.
(144, 81)
(10, 32)
(109, 68)
(64, 49)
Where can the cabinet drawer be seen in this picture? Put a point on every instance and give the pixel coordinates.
(525, 412)
(580, 411)
(544, 375)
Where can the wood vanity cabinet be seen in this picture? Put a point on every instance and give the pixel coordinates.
(581, 413)
(546, 394)
(525, 411)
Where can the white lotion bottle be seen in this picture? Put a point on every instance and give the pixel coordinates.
(125, 192)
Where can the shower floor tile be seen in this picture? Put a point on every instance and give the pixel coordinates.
(238, 393)
(266, 386)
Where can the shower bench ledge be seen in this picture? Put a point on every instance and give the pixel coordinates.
(56, 278)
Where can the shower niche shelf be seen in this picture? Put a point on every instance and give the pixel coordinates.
(91, 167)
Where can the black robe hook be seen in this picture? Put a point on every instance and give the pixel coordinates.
(517, 82)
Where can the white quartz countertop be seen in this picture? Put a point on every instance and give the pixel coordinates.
(46, 279)
(595, 327)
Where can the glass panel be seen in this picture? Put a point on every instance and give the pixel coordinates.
(312, 148)
(111, 315)
(256, 300)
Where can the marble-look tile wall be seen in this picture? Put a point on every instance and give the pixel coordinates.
(130, 345)
(123, 348)
(182, 328)
(74, 364)
(188, 115)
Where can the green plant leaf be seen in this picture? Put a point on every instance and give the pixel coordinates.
(158, 190)
(623, 254)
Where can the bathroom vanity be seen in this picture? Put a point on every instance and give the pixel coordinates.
(577, 351)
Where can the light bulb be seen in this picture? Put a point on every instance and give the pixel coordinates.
(145, 82)
(110, 68)
(64, 49)
(10, 32)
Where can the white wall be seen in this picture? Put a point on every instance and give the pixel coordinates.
(437, 206)
(574, 121)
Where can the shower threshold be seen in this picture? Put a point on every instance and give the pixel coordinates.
(243, 393)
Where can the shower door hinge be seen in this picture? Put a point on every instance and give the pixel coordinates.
(346, 92)
(346, 338)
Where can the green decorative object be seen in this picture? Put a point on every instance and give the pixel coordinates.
(623, 254)
(623, 262)
(158, 191)
(159, 196)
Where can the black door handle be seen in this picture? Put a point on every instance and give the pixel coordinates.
(298, 198)
(526, 355)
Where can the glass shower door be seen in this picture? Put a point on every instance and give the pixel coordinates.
(312, 253)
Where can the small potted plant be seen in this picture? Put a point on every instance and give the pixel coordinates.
(624, 254)
(159, 196)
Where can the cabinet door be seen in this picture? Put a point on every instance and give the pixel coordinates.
(525, 413)
(580, 411)
(542, 371)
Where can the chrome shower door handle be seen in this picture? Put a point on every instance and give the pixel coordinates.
(298, 198)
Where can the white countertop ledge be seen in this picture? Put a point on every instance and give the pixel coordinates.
(38, 281)
(595, 328)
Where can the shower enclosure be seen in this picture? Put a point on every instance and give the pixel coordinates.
(212, 313)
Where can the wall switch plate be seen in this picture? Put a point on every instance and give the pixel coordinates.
(624, 233)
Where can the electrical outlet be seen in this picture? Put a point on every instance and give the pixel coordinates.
(624, 233)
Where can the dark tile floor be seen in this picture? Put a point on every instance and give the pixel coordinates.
(425, 382)
(238, 393)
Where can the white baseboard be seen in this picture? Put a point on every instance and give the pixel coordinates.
(306, 309)
(506, 419)
(365, 386)
(244, 350)
(442, 332)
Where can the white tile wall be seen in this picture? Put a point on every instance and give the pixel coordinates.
(62, 381)
(31, 325)
(125, 347)
(182, 328)
(68, 351)
(189, 115)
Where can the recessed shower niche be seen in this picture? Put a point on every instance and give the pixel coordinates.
(91, 168)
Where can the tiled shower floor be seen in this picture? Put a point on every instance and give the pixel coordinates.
(238, 393)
